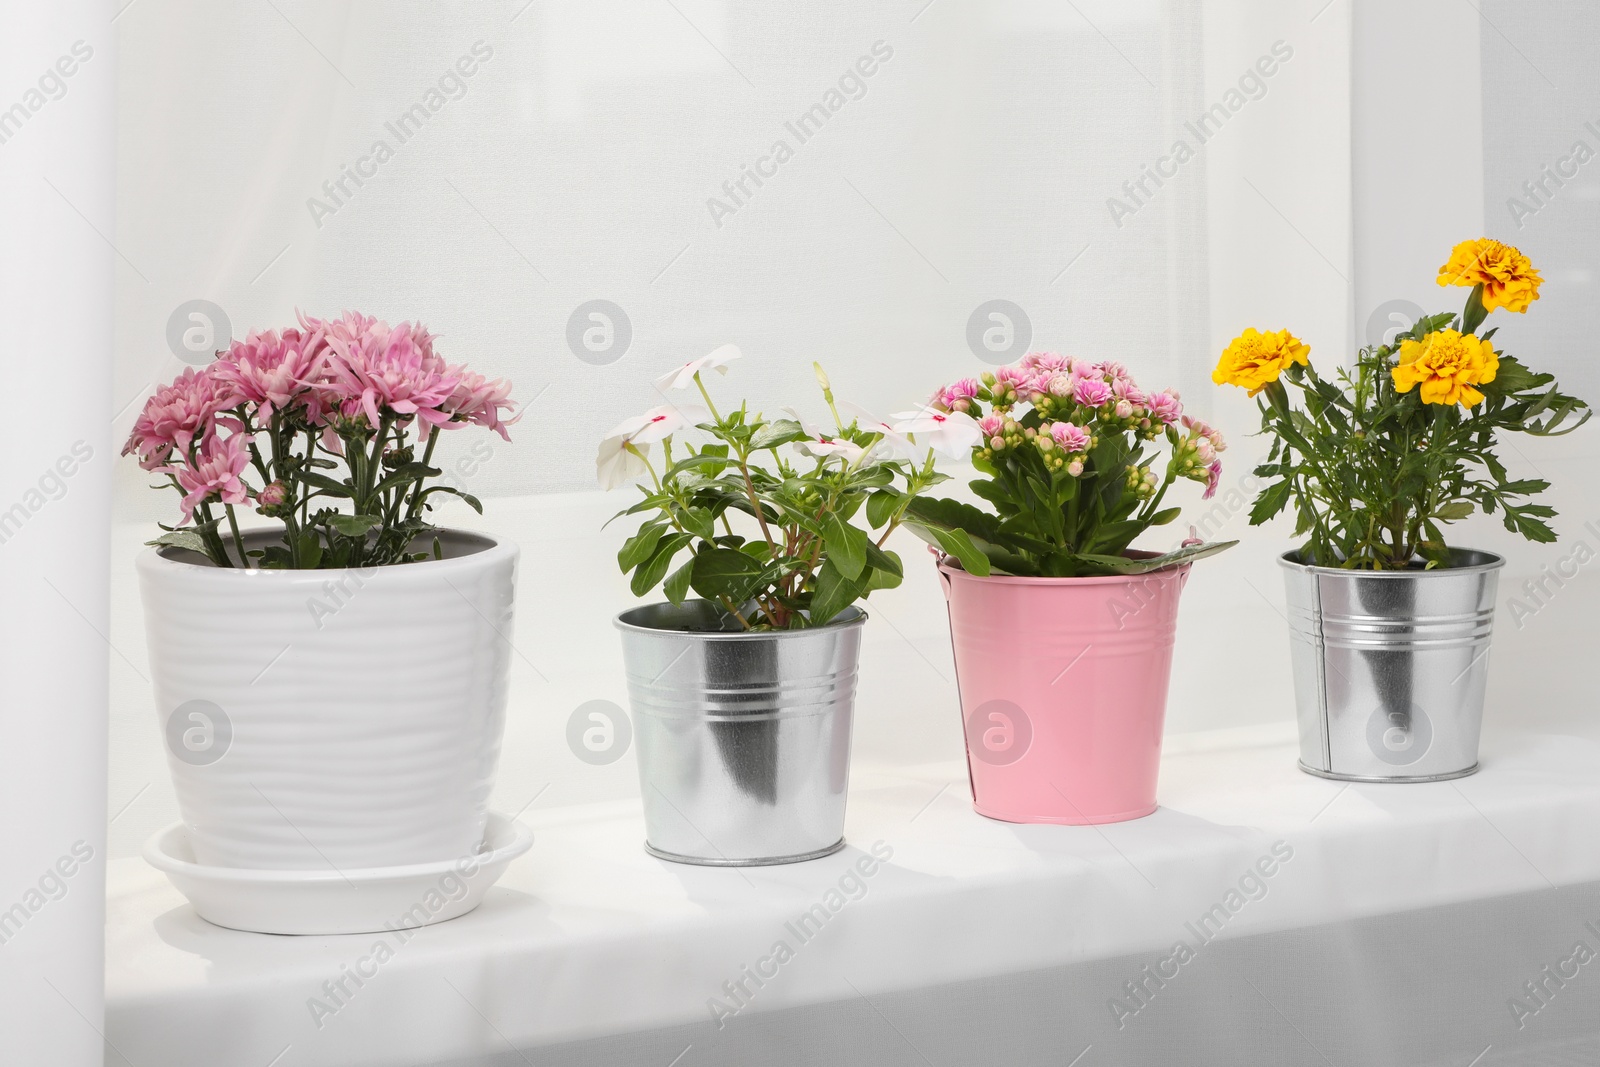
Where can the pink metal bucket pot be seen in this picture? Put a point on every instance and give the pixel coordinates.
(1063, 687)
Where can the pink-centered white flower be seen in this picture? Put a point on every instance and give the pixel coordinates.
(620, 461)
(952, 433)
(820, 445)
(825, 448)
(892, 444)
(683, 377)
(215, 474)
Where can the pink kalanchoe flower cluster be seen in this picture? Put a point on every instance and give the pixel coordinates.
(958, 395)
(1073, 401)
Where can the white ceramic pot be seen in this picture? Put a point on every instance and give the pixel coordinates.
(344, 719)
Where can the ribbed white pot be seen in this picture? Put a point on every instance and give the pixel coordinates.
(332, 718)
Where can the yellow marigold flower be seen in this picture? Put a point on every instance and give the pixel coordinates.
(1447, 365)
(1254, 360)
(1509, 280)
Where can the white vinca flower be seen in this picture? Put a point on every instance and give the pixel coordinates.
(822, 448)
(617, 465)
(683, 376)
(894, 445)
(952, 433)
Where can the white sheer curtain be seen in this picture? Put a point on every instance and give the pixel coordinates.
(1023, 151)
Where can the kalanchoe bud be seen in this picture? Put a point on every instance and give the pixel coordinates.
(1075, 468)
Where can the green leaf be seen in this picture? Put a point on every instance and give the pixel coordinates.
(655, 568)
(778, 432)
(883, 579)
(1133, 565)
(353, 525)
(847, 545)
(187, 539)
(880, 560)
(699, 522)
(959, 544)
(311, 549)
(1164, 516)
(700, 463)
(881, 505)
(833, 593)
(407, 473)
(326, 484)
(1272, 500)
(953, 515)
(1456, 509)
(472, 502)
(641, 546)
(724, 572)
(676, 586)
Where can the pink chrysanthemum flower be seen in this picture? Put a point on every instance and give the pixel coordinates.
(272, 370)
(376, 366)
(178, 414)
(482, 401)
(215, 473)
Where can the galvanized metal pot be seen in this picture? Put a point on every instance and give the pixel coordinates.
(1390, 667)
(743, 739)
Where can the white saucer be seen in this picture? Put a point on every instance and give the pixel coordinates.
(338, 902)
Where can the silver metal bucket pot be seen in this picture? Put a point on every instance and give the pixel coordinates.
(743, 739)
(1390, 667)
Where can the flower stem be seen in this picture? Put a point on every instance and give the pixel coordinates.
(238, 541)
